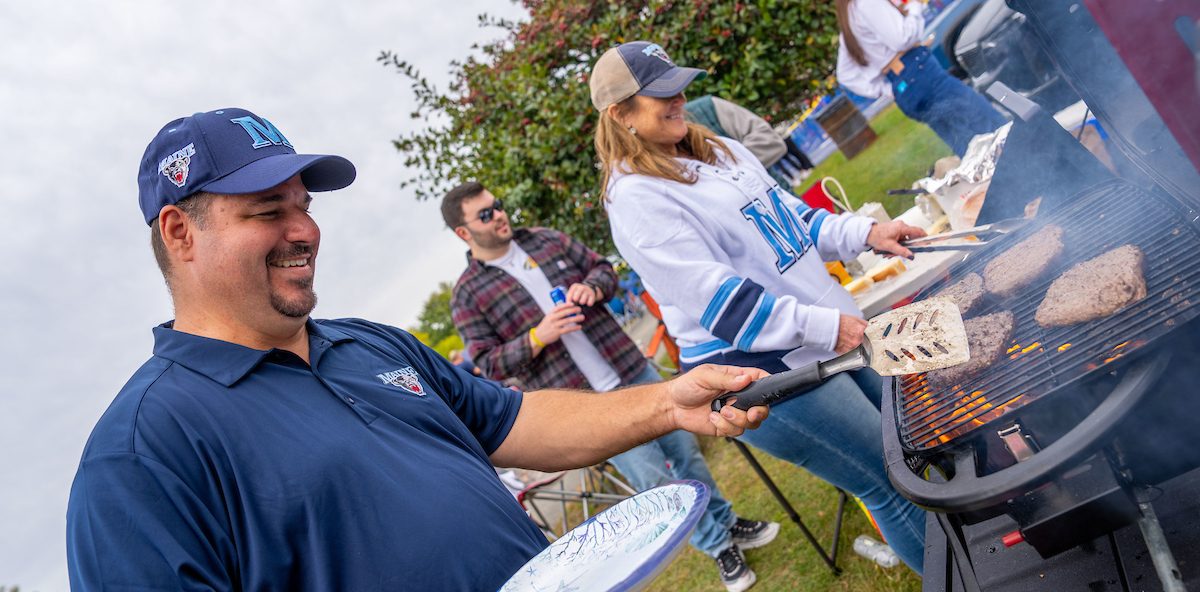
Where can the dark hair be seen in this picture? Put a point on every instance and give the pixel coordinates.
(195, 206)
(452, 211)
(852, 46)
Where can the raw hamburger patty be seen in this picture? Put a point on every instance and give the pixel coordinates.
(1095, 288)
(988, 337)
(966, 293)
(1024, 262)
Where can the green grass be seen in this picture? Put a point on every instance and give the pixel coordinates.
(789, 563)
(902, 153)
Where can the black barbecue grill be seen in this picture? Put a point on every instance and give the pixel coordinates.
(1081, 437)
(1040, 361)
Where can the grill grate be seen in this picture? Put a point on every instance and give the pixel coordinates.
(1039, 360)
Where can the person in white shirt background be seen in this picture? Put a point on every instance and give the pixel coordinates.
(881, 53)
(736, 263)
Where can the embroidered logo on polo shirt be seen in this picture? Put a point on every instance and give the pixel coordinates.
(405, 378)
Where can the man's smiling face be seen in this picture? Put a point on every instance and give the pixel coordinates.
(256, 255)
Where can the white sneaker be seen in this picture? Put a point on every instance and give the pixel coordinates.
(735, 574)
(752, 534)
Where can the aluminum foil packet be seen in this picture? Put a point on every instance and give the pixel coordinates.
(977, 165)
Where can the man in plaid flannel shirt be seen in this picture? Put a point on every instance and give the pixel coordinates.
(514, 332)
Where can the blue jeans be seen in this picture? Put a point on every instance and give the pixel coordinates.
(925, 92)
(677, 456)
(834, 432)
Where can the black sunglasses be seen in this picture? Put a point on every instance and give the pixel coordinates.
(486, 214)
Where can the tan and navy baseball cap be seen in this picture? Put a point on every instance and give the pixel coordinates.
(638, 68)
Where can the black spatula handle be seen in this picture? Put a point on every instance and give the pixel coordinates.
(773, 389)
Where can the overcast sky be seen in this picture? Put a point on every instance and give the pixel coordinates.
(85, 86)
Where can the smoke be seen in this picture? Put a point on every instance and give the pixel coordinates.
(1133, 67)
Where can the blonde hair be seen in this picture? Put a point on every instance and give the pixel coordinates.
(616, 146)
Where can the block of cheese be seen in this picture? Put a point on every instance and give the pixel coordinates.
(890, 268)
(860, 285)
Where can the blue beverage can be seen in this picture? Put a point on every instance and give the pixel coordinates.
(558, 295)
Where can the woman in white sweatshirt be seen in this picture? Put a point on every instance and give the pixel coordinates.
(737, 264)
(880, 54)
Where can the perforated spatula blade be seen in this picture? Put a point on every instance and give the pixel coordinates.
(919, 337)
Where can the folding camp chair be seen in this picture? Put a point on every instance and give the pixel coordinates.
(579, 494)
(661, 337)
(830, 557)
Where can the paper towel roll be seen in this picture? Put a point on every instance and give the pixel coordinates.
(874, 209)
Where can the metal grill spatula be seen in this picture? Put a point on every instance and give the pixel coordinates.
(919, 337)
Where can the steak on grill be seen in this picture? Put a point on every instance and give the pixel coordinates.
(1095, 288)
(966, 293)
(987, 338)
(1024, 262)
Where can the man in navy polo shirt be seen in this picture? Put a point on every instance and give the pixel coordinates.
(261, 449)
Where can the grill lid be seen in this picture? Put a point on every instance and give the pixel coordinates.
(1132, 64)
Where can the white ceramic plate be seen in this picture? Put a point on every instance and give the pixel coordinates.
(622, 548)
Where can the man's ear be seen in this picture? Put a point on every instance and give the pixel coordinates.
(177, 232)
(463, 233)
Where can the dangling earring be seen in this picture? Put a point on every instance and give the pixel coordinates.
(633, 130)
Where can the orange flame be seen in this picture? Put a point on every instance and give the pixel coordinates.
(952, 412)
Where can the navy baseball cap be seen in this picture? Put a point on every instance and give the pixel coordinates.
(230, 151)
(638, 68)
